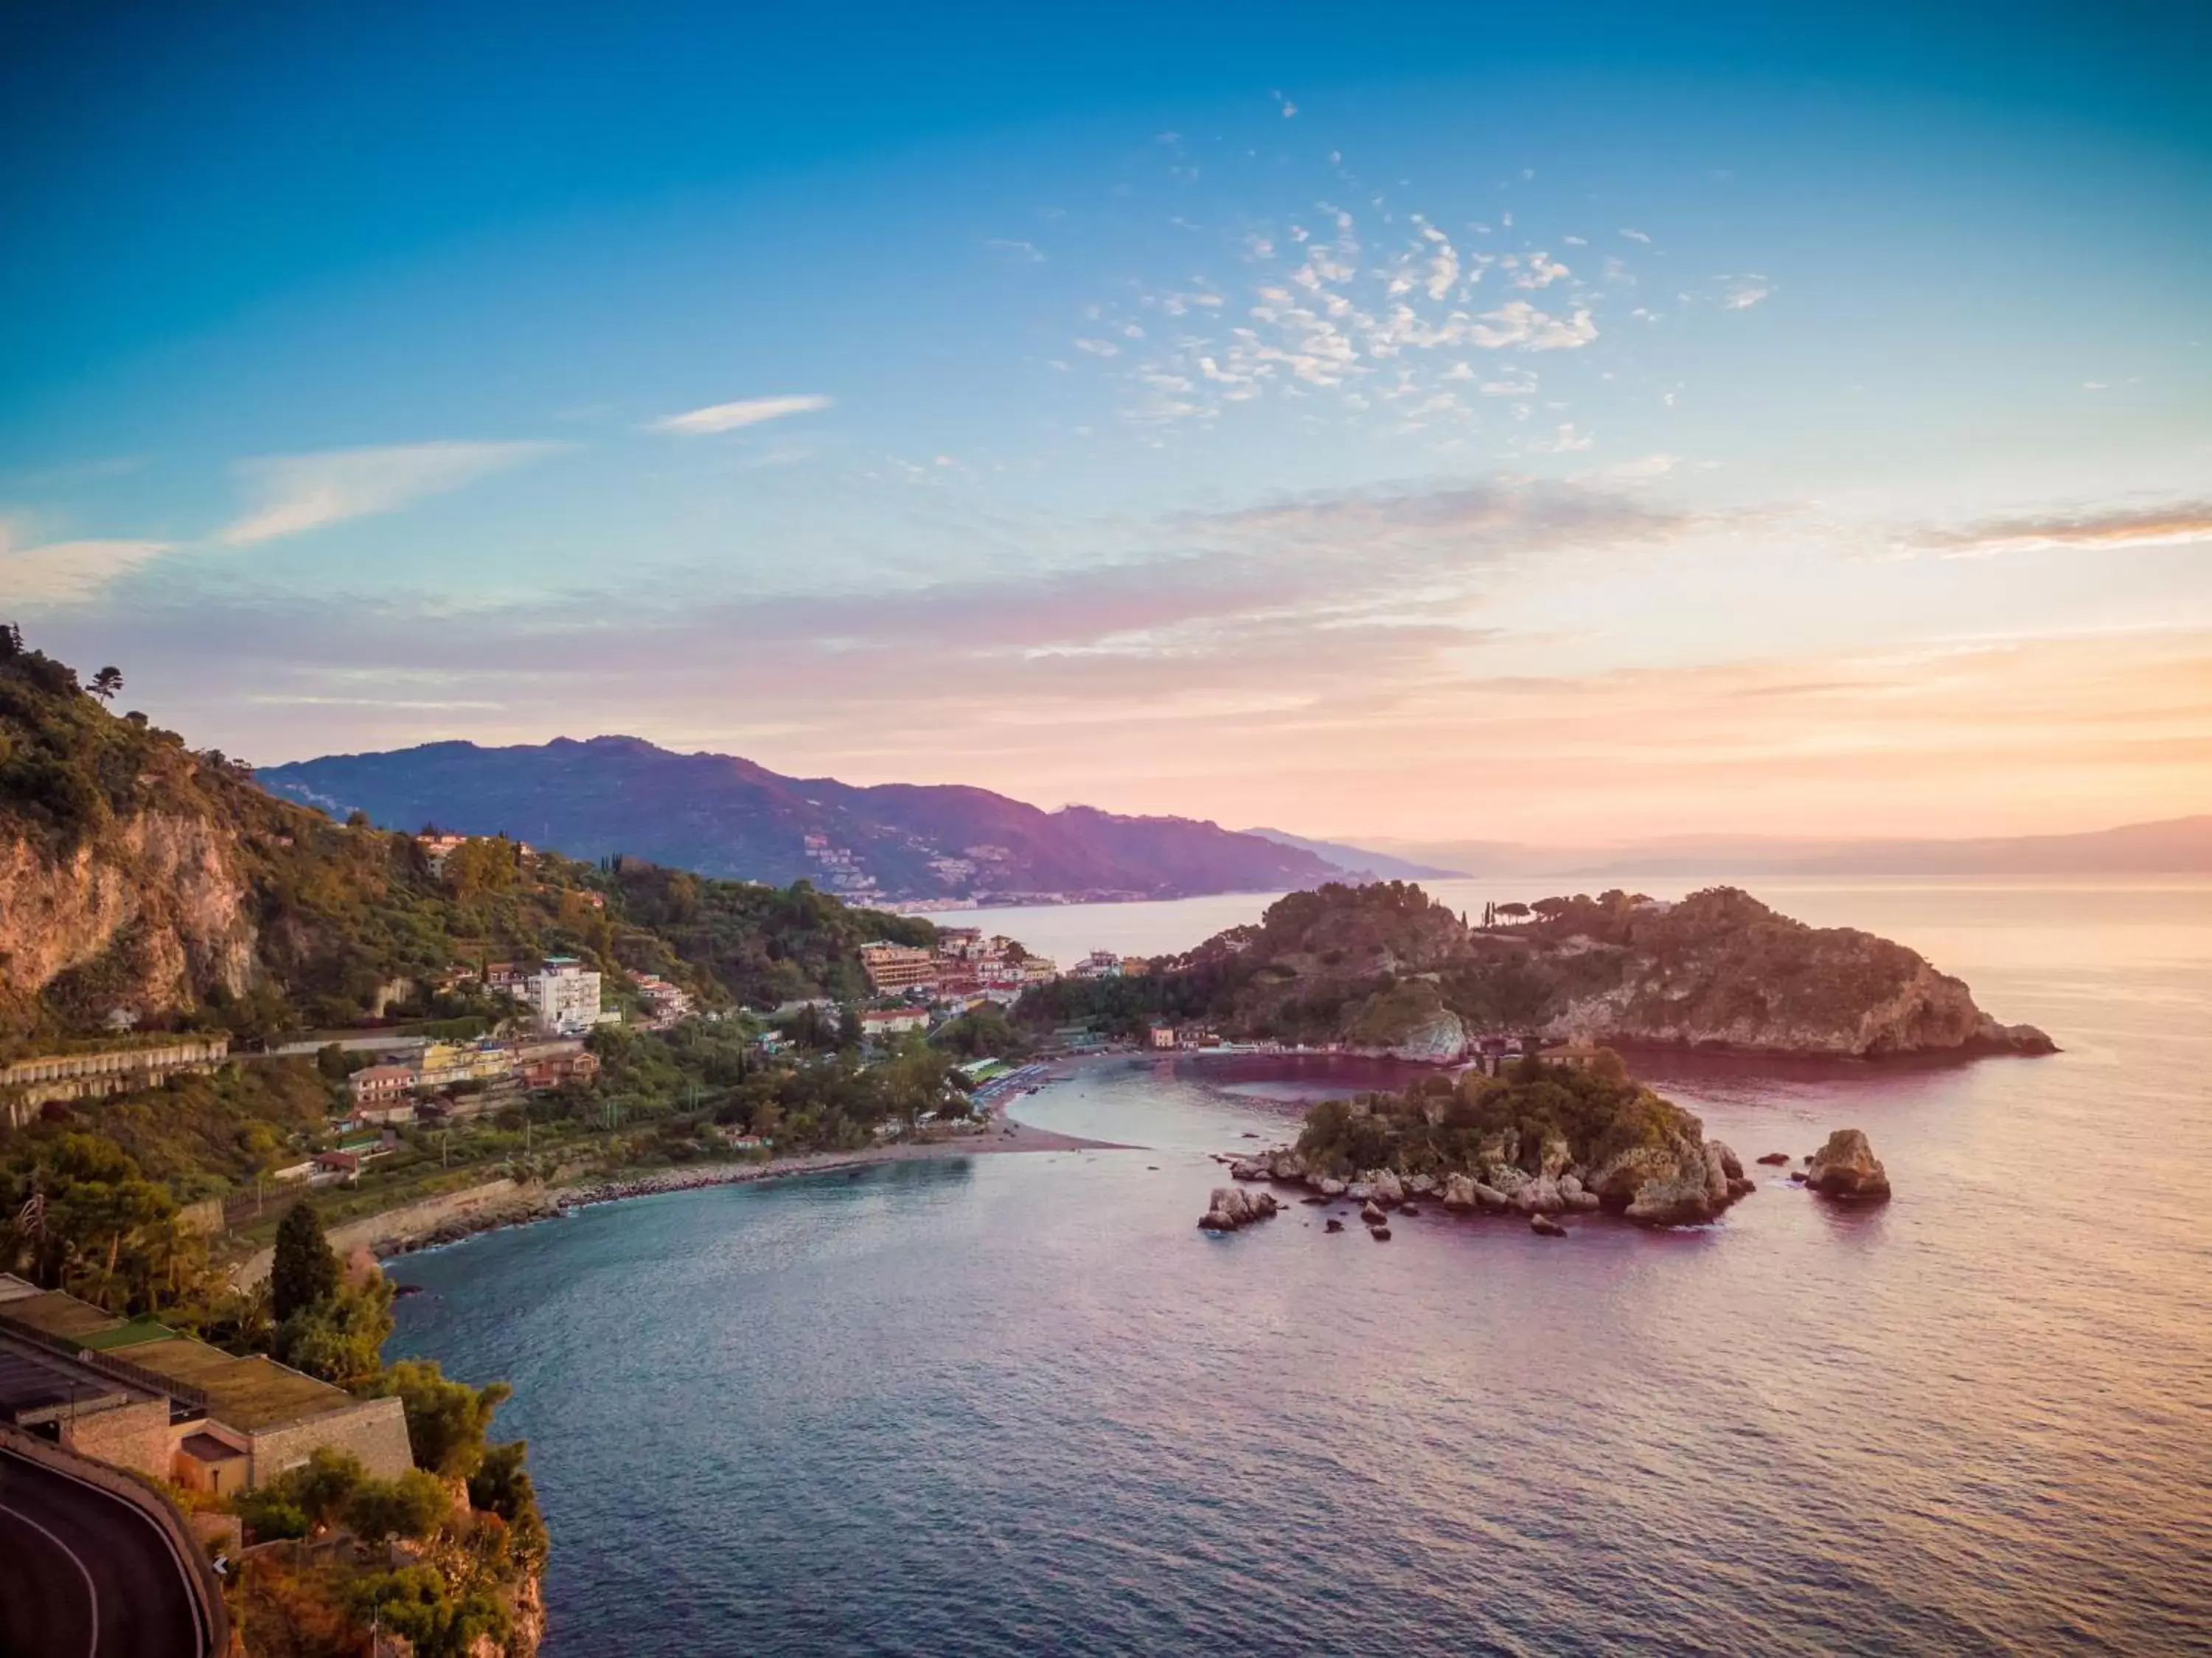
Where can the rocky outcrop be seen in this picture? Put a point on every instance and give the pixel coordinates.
(152, 915)
(1847, 1168)
(1676, 1178)
(1718, 969)
(1231, 1207)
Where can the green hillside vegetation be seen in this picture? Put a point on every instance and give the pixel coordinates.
(1370, 966)
(1474, 1124)
(338, 922)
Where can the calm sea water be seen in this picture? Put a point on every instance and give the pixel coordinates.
(1020, 1405)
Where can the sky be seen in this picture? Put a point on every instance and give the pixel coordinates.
(1419, 424)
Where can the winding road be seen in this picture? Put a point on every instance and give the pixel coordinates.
(85, 1575)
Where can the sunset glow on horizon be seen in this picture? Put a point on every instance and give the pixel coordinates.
(1438, 438)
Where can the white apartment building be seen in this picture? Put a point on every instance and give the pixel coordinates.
(563, 996)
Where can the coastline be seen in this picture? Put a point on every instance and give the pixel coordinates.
(531, 1205)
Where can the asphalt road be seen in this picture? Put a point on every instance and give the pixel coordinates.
(84, 1574)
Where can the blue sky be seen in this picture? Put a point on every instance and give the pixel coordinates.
(1711, 418)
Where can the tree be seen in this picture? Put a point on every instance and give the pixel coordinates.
(415, 1602)
(849, 1030)
(105, 683)
(446, 1420)
(341, 1337)
(305, 1269)
(415, 1505)
(1513, 911)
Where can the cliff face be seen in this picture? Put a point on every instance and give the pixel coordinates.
(1390, 972)
(146, 918)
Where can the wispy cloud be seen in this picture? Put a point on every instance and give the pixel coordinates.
(746, 411)
(1028, 250)
(67, 572)
(295, 493)
(1742, 293)
(2111, 527)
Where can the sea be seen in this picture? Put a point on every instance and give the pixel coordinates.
(1022, 1405)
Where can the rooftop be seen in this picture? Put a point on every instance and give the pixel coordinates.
(37, 1384)
(244, 1393)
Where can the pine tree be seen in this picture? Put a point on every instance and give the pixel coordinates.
(305, 1269)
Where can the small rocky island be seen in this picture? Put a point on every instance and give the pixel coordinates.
(1541, 1140)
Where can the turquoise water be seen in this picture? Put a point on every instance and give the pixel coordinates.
(1019, 1404)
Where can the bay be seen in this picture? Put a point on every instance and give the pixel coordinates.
(1019, 1403)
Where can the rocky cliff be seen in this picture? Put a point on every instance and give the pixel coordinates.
(147, 919)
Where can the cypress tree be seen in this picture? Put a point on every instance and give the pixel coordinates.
(305, 1269)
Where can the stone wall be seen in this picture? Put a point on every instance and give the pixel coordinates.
(134, 1436)
(410, 1224)
(374, 1430)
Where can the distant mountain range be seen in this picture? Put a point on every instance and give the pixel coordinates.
(722, 815)
(1358, 860)
(2173, 846)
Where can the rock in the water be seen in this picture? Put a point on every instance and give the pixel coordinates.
(1407, 1208)
(1731, 1165)
(1459, 1193)
(1379, 1233)
(1388, 1189)
(1231, 1207)
(1776, 1160)
(1373, 1214)
(1491, 1198)
(1334, 1225)
(1330, 1186)
(1359, 1191)
(1540, 1196)
(1846, 1167)
(1422, 1185)
(1583, 1202)
(1248, 1171)
(1545, 1227)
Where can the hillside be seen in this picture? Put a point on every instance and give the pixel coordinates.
(140, 878)
(729, 817)
(1384, 967)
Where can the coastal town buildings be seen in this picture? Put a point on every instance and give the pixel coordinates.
(437, 848)
(666, 1003)
(878, 1022)
(892, 967)
(563, 996)
(394, 1089)
(1099, 964)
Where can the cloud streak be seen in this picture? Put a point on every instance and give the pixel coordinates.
(734, 417)
(2111, 527)
(68, 572)
(294, 494)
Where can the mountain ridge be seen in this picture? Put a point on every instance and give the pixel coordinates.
(724, 815)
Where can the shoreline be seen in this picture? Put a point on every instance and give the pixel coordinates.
(531, 1206)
